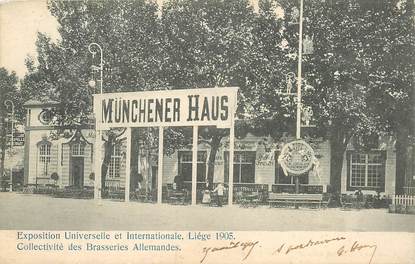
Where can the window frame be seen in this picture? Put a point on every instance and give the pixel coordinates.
(44, 159)
(380, 166)
(79, 149)
(201, 163)
(240, 163)
(114, 166)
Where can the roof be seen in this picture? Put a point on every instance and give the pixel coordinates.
(33, 102)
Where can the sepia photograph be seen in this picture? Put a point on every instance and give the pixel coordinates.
(194, 119)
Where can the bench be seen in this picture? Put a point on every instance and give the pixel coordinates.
(177, 196)
(300, 198)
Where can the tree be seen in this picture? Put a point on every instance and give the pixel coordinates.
(392, 76)
(350, 38)
(225, 43)
(128, 34)
(8, 91)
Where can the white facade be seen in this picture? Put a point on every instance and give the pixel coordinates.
(72, 157)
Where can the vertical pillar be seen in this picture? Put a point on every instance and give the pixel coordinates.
(194, 164)
(160, 166)
(128, 165)
(300, 52)
(231, 150)
(97, 164)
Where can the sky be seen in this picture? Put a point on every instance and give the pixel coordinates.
(20, 20)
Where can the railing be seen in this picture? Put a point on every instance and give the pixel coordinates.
(403, 200)
(409, 190)
(44, 181)
(290, 188)
(250, 187)
(113, 185)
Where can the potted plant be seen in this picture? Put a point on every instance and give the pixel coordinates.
(92, 176)
(54, 176)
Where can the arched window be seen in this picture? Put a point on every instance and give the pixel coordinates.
(78, 150)
(44, 158)
(115, 163)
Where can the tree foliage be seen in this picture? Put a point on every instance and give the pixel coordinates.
(8, 92)
(360, 77)
(359, 71)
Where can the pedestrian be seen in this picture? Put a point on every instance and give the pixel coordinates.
(219, 193)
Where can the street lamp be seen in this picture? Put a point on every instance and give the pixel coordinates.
(101, 65)
(290, 76)
(300, 57)
(9, 102)
(97, 169)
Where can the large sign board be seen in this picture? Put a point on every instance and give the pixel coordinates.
(187, 107)
(297, 157)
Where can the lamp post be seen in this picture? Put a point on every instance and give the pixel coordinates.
(290, 77)
(97, 180)
(101, 64)
(300, 57)
(9, 102)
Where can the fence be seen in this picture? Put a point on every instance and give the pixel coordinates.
(403, 200)
(409, 190)
(113, 185)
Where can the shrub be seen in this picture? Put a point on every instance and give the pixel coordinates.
(54, 176)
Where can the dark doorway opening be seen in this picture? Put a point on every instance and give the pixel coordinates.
(77, 170)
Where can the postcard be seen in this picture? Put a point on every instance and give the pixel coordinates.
(209, 131)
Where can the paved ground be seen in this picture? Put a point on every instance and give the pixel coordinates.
(38, 212)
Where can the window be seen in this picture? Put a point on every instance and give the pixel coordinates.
(44, 159)
(366, 170)
(78, 150)
(115, 163)
(243, 166)
(185, 165)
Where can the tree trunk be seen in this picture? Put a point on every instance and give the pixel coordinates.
(134, 158)
(402, 151)
(214, 147)
(338, 144)
(108, 147)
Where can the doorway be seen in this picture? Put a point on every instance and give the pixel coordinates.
(77, 170)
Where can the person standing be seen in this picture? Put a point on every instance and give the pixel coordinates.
(219, 193)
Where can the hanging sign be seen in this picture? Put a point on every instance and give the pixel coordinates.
(18, 139)
(297, 157)
(188, 107)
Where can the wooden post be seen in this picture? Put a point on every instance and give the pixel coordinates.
(231, 154)
(128, 165)
(160, 166)
(97, 164)
(194, 164)
(297, 187)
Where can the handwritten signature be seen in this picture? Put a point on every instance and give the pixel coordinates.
(357, 247)
(249, 246)
(289, 248)
(340, 252)
(310, 243)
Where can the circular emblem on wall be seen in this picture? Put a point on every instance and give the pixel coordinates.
(45, 117)
(296, 157)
